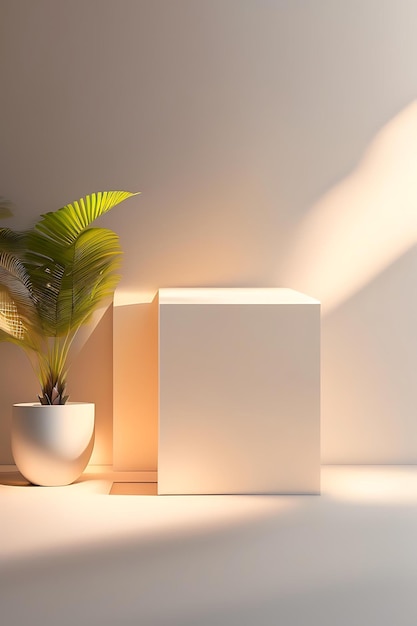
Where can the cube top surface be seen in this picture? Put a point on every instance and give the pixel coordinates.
(233, 295)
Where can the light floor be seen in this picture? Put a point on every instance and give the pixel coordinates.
(77, 556)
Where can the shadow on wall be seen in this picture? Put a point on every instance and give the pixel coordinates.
(89, 379)
(369, 365)
(363, 224)
(356, 250)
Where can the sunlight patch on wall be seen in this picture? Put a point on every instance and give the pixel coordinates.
(365, 223)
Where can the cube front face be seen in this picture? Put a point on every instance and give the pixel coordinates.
(239, 396)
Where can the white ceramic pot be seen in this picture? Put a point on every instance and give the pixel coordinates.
(52, 445)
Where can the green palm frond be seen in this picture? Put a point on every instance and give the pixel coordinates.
(90, 277)
(65, 225)
(55, 258)
(11, 241)
(17, 308)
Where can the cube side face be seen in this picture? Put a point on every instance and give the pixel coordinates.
(239, 399)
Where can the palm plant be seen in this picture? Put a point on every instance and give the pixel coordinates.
(53, 277)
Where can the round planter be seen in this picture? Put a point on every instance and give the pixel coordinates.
(52, 445)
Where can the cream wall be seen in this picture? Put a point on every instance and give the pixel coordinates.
(274, 142)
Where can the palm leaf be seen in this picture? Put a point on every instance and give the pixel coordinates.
(17, 307)
(64, 226)
(89, 278)
(11, 241)
(46, 285)
(53, 255)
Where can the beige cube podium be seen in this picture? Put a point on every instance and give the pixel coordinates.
(239, 392)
